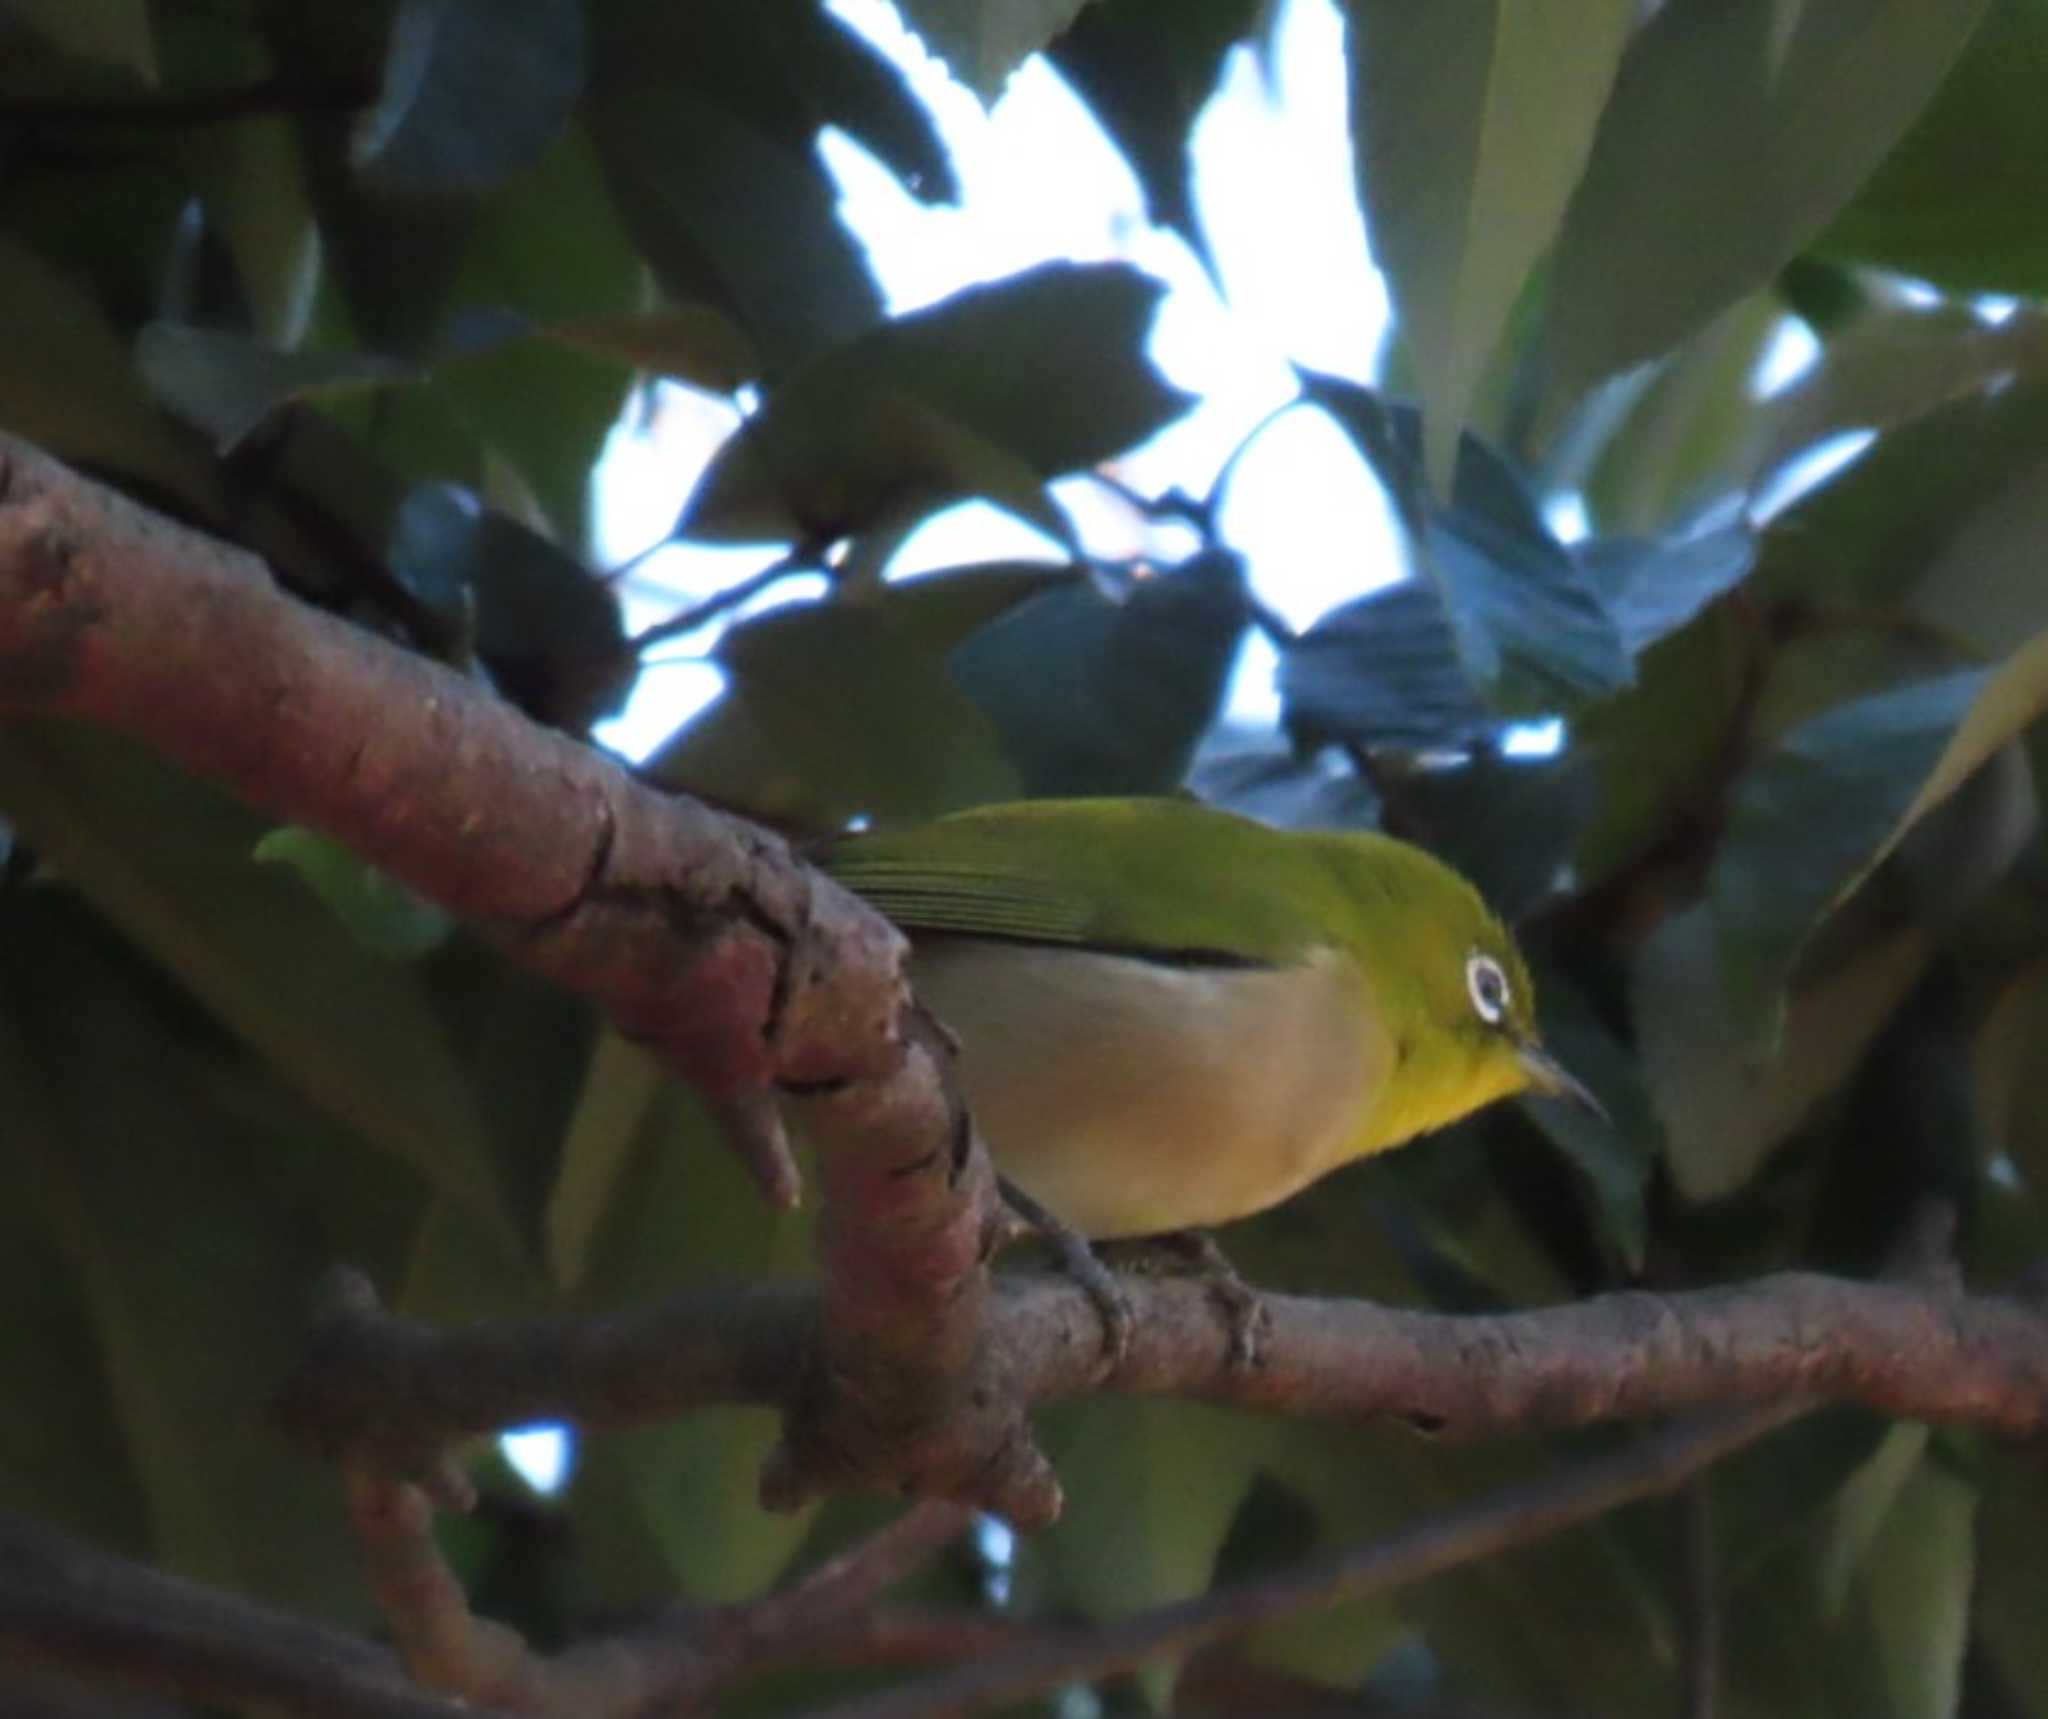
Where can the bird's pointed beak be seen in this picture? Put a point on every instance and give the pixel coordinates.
(1553, 1080)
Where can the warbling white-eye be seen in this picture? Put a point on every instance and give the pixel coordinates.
(1171, 1016)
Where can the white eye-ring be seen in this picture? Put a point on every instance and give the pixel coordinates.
(1489, 987)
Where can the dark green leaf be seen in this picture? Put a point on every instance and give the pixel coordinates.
(1152, 1488)
(474, 91)
(547, 627)
(2012, 1568)
(984, 41)
(69, 386)
(62, 1459)
(169, 863)
(227, 385)
(179, 1223)
(664, 1206)
(110, 32)
(1509, 824)
(1101, 694)
(1915, 1590)
(1673, 455)
(1249, 770)
(692, 182)
(1146, 68)
(1892, 367)
(1658, 745)
(1529, 627)
(376, 908)
(692, 342)
(1472, 121)
(1383, 670)
(926, 409)
(787, 67)
(843, 709)
(1614, 1156)
(1867, 536)
(1712, 167)
(1724, 1100)
(1652, 586)
(1953, 202)
(1812, 820)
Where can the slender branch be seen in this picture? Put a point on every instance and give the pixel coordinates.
(745, 590)
(1483, 1528)
(67, 1608)
(1700, 1658)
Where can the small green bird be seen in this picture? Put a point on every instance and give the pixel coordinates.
(1171, 1016)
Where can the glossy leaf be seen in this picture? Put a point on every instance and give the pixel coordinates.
(378, 910)
(1095, 694)
(1932, 210)
(227, 386)
(684, 172)
(1893, 367)
(1530, 630)
(926, 410)
(844, 709)
(1472, 120)
(1712, 166)
(1818, 815)
(1670, 454)
(984, 41)
(1383, 670)
(473, 92)
(1724, 1100)
(1868, 535)
(1653, 586)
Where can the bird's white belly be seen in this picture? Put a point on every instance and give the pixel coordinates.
(1132, 1097)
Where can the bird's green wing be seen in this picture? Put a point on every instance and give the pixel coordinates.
(1168, 879)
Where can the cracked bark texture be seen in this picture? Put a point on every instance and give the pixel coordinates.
(701, 936)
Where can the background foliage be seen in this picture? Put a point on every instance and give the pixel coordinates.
(366, 283)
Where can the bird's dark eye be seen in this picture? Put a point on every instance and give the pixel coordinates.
(1489, 987)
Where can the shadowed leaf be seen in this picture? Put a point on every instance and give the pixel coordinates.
(1472, 120)
(473, 92)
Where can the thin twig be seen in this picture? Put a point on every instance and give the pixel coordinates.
(1483, 1528)
(203, 107)
(1700, 1667)
(701, 614)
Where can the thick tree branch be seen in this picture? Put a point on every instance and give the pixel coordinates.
(380, 1389)
(700, 935)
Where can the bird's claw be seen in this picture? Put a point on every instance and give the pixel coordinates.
(1244, 1309)
(1079, 1261)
